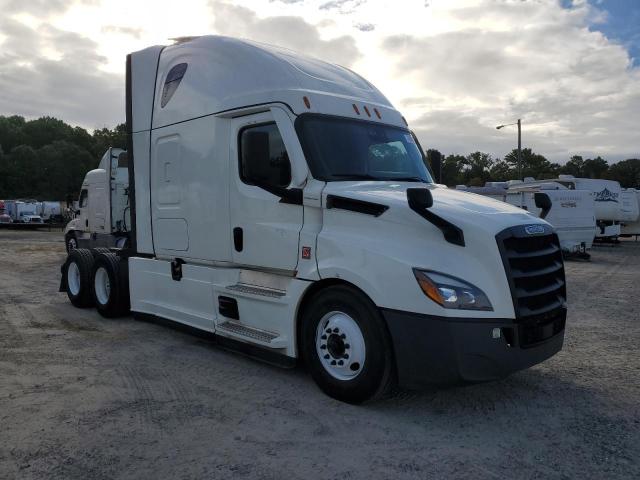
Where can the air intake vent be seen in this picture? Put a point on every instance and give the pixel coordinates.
(534, 268)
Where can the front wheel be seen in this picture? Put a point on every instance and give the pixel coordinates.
(71, 241)
(346, 346)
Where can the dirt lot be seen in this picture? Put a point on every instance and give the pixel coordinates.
(82, 397)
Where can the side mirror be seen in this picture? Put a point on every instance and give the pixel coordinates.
(419, 198)
(543, 202)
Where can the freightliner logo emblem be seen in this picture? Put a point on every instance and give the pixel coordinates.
(534, 229)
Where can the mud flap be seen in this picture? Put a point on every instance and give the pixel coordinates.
(63, 278)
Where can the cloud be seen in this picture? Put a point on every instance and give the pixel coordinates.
(132, 32)
(575, 91)
(365, 27)
(39, 8)
(71, 86)
(286, 31)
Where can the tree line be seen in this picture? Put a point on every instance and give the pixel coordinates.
(46, 159)
(478, 168)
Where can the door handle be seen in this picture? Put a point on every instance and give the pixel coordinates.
(86, 223)
(237, 239)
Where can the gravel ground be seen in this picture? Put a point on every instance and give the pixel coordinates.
(84, 397)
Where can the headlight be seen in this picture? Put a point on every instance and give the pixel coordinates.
(451, 292)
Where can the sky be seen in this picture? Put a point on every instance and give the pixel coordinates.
(570, 69)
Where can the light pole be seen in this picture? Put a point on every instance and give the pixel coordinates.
(519, 144)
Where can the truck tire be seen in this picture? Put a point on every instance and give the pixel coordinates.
(77, 271)
(346, 346)
(110, 286)
(98, 250)
(71, 241)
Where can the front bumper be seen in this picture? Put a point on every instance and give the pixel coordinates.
(442, 350)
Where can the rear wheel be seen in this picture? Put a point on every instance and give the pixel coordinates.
(110, 286)
(77, 271)
(346, 345)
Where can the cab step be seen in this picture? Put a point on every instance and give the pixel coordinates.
(254, 335)
(256, 290)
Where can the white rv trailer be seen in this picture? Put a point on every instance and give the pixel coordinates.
(607, 196)
(282, 204)
(103, 217)
(572, 212)
(631, 212)
(49, 211)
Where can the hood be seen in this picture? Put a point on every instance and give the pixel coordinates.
(458, 207)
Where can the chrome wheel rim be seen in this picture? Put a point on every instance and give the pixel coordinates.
(102, 286)
(73, 278)
(340, 345)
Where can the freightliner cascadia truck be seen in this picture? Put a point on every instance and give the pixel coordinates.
(282, 204)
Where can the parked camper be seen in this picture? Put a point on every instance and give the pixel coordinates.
(103, 215)
(631, 212)
(282, 204)
(607, 196)
(572, 212)
(50, 211)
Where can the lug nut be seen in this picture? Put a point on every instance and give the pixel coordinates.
(323, 347)
(343, 336)
(333, 362)
(326, 357)
(340, 362)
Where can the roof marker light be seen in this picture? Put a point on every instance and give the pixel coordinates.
(355, 109)
(307, 102)
(367, 110)
(377, 113)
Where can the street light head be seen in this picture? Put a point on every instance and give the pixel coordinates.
(499, 127)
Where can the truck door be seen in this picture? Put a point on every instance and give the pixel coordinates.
(98, 198)
(265, 230)
(83, 207)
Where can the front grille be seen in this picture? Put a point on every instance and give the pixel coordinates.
(534, 268)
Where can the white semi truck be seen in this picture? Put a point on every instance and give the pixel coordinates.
(103, 215)
(23, 211)
(282, 204)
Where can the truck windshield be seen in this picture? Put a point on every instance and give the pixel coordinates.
(340, 149)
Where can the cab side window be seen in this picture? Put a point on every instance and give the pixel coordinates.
(263, 156)
(84, 198)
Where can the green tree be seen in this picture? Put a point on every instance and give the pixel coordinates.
(575, 166)
(533, 164)
(452, 167)
(105, 138)
(502, 171)
(627, 172)
(595, 168)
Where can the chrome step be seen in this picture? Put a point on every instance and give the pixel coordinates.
(255, 290)
(271, 339)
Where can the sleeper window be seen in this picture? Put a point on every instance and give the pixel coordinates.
(174, 77)
(263, 156)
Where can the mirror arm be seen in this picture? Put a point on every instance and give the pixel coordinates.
(292, 196)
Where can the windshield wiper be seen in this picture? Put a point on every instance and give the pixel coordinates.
(406, 179)
(355, 176)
